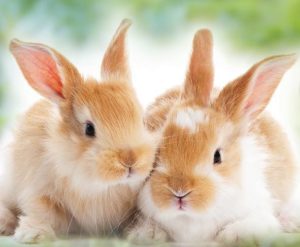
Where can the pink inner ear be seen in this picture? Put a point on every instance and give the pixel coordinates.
(40, 70)
(264, 85)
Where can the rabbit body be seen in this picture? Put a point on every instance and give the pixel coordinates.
(224, 168)
(79, 157)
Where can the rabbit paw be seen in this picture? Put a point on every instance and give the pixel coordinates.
(249, 229)
(31, 231)
(289, 224)
(148, 233)
(230, 233)
(289, 218)
(8, 222)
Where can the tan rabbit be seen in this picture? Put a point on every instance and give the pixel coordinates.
(224, 168)
(78, 158)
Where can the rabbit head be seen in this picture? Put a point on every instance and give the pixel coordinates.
(97, 132)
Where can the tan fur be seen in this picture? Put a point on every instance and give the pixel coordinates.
(230, 115)
(281, 171)
(114, 64)
(157, 113)
(61, 180)
(199, 77)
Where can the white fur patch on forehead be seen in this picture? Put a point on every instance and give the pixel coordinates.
(189, 118)
(83, 114)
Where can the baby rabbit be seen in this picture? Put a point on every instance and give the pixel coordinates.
(224, 169)
(79, 157)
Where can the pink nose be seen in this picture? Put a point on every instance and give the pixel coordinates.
(181, 195)
(127, 158)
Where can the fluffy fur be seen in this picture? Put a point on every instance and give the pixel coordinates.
(59, 179)
(246, 194)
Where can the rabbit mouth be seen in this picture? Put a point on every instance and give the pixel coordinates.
(181, 206)
(131, 176)
(130, 173)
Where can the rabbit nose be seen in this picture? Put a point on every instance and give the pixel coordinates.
(127, 158)
(180, 195)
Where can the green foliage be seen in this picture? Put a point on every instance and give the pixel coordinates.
(71, 20)
(251, 23)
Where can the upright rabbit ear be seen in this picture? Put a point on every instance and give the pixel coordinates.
(115, 64)
(45, 69)
(199, 77)
(247, 96)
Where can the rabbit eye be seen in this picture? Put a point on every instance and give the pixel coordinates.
(90, 129)
(217, 157)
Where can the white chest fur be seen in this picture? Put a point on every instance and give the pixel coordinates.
(101, 212)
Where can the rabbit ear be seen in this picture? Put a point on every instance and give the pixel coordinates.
(46, 70)
(248, 95)
(199, 77)
(115, 64)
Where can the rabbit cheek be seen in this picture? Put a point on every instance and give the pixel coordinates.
(203, 195)
(143, 169)
(160, 194)
(145, 161)
(109, 169)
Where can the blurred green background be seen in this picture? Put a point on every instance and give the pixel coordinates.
(253, 25)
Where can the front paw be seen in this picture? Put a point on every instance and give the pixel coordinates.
(289, 225)
(8, 222)
(147, 233)
(290, 220)
(32, 231)
(230, 233)
(249, 229)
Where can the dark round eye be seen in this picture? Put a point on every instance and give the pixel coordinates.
(89, 129)
(217, 157)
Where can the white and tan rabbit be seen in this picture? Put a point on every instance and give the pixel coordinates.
(224, 169)
(78, 158)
